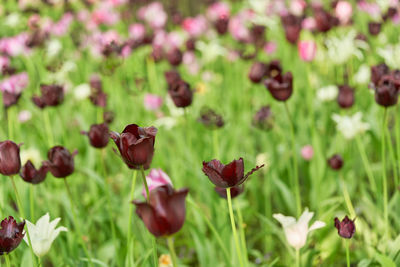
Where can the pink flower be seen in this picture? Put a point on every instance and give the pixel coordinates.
(152, 102)
(137, 32)
(4, 62)
(60, 28)
(307, 50)
(174, 40)
(24, 116)
(155, 179)
(126, 51)
(343, 11)
(195, 26)
(372, 9)
(238, 25)
(105, 15)
(153, 14)
(33, 21)
(396, 19)
(309, 24)
(14, 46)
(297, 7)
(15, 84)
(270, 47)
(218, 10)
(307, 152)
(190, 61)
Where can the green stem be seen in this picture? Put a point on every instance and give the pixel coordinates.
(295, 167)
(130, 237)
(235, 236)
(298, 258)
(215, 144)
(22, 215)
(10, 124)
(366, 164)
(347, 198)
(397, 133)
(153, 239)
(40, 262)
(47, 126)
(384, 180)
(31, 200)
(7, 257)
(348, 252)
(171, 247)
(392, 156)
(77, 226)
(242, 236)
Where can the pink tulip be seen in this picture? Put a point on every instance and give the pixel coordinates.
(307, 152)
(190, 62)
(238, 25)
(307, 50)
(155, 179)
(15, 45)
(154, 15)
(372, 9)
(297, 7)
(195, 26)
(15, 84)
(309, 24)
(105, 15)
(137, 32)
(343, 11)
(4, 62)
(152, 102)
(24, 116)
(218, 10)
(270, 47)
(61, 27)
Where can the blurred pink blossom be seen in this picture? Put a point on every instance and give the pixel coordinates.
(61, 27)
(126, 51)
(396, 19)
(4, 62)
(343, 11)
(270, 47)
(307, 50)
(15, 45)
(190, 61)
(232, 55)
(153, 14)
(24, 116)
(15, 84)
(33, 21)
(307, 152)
(137, 32)
(174, 39)
(309, 24)
(116, 3)
(152, 102)
(218, 10)
(238, 25)
(297, 7)
(155, 179)
(371, 8)
(104, 15)
(195, 26)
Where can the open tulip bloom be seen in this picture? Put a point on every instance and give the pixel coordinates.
(11, 234)
(43, 233)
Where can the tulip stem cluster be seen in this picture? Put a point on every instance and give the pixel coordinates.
(171, 247)
(235, 235)
(384, 181)
(128, 254)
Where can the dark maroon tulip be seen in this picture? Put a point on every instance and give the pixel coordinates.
(108, 117)
(10, 162)
(52, 95)
(165, 213)
(191, 44)
(274, 69)
(11, 234)
(346, 228)
(99, 135)
(292, 27)
(335, 162)
(374, 28)
(280, 87)
(174, 56)
(377, 72)
(386, 93)
(345, 97)
(97, 95)
(61, 161)
(235, 191)
(391, 12)
(257, 34)
(10, 99)
(136, 145)
(323, 20)
(226, 176)
(110, 49)
(211, 119)
(263, 119)
(395, 74)
(172, 76)
(158, 53)
(38, 101)
(31, 175)
(257, 72)
(221, 25)
(181, 94)
(37, 38)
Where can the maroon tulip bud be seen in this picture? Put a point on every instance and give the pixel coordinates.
(181, 94)
(335, 162)
(97, 95)
(61, 162)
(157, 54)
(191, 44)
(345, 97)
(11, 234)
(111, 49)
(10, 99)
(226, 176)
(263, 119)
(377, 72)
(280, 87)
(346, 228)
(174, 56)
(136, 145)
(52, 95)
(292, 27)
(172, 77)
(10, 162)
(165, 213)
(31, 175)
(38, 102)
(257, 33)
(95, 82)
(323, 20)
(274, 69)
(391, 12)
(257, 72)
(108, 117)
(99, 135)
(374, 28)
(386, 93)
(211, 119)
(221, 25)
(235, 191)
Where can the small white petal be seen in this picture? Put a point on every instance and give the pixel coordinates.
(284, 220)
(316, 225)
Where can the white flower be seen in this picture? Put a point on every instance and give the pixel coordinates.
(210, 51)
(82, 91)
(391, 55)
(13, 20)
(350, 126)
(296, 231)
(327, 93)
(363, 75)
(43, 234)
(54, 47)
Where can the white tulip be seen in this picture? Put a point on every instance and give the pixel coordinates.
(296, 231)
(327, 93)
(43, 234)
(350, 126)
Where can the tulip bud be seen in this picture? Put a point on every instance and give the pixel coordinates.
(191, 44)
(280, 87)
(307, 152)
(181, 94)
(52, 95)
(211, 119)
(335, 162)
(263, 119)
(324, 20)
(221, 25)
(346, 228)
(386, 93)
(174, 57)
(292, 27)
(374, 28)
(307, 50)
(10, 162)
(257, 72)
(99, 135)
(11, 234)
(61, 162)
(172, 77)
(345, 97)
(31, 175)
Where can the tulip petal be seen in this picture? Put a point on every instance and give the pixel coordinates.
(316, 225)
(285, 221)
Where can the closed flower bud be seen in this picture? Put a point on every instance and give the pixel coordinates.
(52, 95)
(263, 119)
(377, 72)
(324, 20)
(280, 87)
(292, 27)
(31, 175)
(136, 145)
(11, 234)
(99, 135)
(165, 212)
(374, 28)
(345, 97)
(346, 228)
(211, 119)
(235, 191)
(61, 162)
(174, 57)
(10, 162)
(97, 95)
(181, 94)
(335, 162)
(386, 93)
(221, 25)
(229, 175)
(10, 99)
(172, 77)
(191, 44)
(257, 72)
